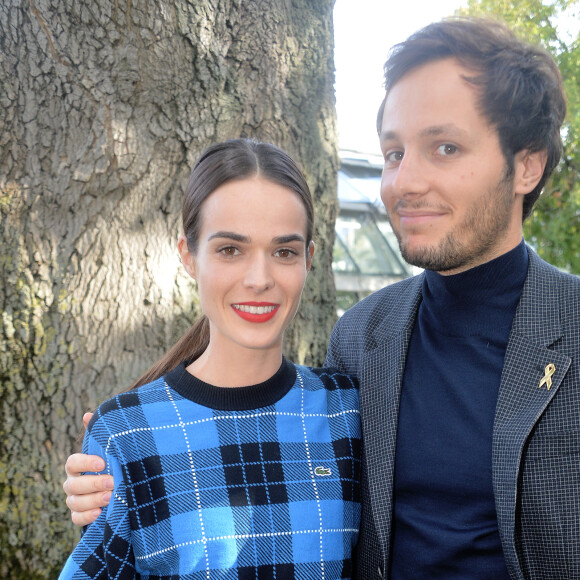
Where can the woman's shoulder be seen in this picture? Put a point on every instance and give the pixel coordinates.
(329, 378)
(330, 393)
(128, 403)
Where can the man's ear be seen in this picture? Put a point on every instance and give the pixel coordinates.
(187, 258)
(528, 170)
(309, 254)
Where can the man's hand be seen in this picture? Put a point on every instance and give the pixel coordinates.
(86, 494)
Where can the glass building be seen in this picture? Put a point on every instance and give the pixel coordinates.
(366, 254)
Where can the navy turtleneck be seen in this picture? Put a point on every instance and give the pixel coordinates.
(444, 519)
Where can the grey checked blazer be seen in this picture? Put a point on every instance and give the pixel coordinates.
(536, 438)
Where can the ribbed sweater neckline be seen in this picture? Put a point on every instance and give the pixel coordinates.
(476, 301)
(233, 398)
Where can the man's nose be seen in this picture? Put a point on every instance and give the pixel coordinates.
(410, 177)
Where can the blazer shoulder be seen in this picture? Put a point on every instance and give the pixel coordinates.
(378, 316)
(398, 296)
(550, 283)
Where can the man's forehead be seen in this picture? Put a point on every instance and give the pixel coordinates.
(449, 130)
(433, 74)
(429, 96)
(463, 69)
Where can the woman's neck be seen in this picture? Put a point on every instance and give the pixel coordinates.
(233, 366)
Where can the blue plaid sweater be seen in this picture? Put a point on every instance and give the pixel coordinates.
(219, 483)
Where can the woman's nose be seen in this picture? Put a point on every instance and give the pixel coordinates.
(258, 275)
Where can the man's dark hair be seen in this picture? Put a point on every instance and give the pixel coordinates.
(520, 86)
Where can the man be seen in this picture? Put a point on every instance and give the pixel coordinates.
(469, 373)
(470, 382)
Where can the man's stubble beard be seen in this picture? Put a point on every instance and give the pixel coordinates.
(482, 227)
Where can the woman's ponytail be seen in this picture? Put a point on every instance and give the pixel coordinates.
(189, 347)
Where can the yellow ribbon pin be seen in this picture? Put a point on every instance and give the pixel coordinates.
(547, 378)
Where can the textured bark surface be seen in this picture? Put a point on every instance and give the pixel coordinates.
(104, 107)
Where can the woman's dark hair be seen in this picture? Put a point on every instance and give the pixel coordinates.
(520, 86)
(217, 165)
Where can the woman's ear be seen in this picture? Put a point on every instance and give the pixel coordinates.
(528, 170)
(187, 258)
(309, 254)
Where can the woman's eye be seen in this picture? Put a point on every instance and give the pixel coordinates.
(285, 253)
(447, 149)
(229, 251)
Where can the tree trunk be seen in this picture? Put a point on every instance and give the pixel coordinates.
(104, 107)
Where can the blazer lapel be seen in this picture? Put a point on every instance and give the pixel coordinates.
(381, 375)
(521, 400)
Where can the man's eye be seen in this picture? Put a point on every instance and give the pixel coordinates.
(447, 149)
(394, 156)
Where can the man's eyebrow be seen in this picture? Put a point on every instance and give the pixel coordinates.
(387, 136)
(434, 131)
(447, 129)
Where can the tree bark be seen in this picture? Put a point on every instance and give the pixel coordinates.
(104, 107)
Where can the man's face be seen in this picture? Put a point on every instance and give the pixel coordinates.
(445, 184)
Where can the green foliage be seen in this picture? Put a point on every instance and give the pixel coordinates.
(554, 227)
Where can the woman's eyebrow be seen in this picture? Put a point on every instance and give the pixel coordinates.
(289, 238)
(286, 239)
(229, 236)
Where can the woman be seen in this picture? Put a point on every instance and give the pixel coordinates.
(229, 461)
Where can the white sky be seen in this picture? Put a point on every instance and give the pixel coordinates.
(364, 30)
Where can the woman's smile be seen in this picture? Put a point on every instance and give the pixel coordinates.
(256, 311)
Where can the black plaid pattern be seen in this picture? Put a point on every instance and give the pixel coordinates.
(254, 473)
(348, 469)
(149, 495)
(269, 572)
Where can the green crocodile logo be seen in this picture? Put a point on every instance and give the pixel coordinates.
(322, 471)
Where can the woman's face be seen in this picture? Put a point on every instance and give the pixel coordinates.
(251, 262)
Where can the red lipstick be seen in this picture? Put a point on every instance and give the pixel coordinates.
(255, 311)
